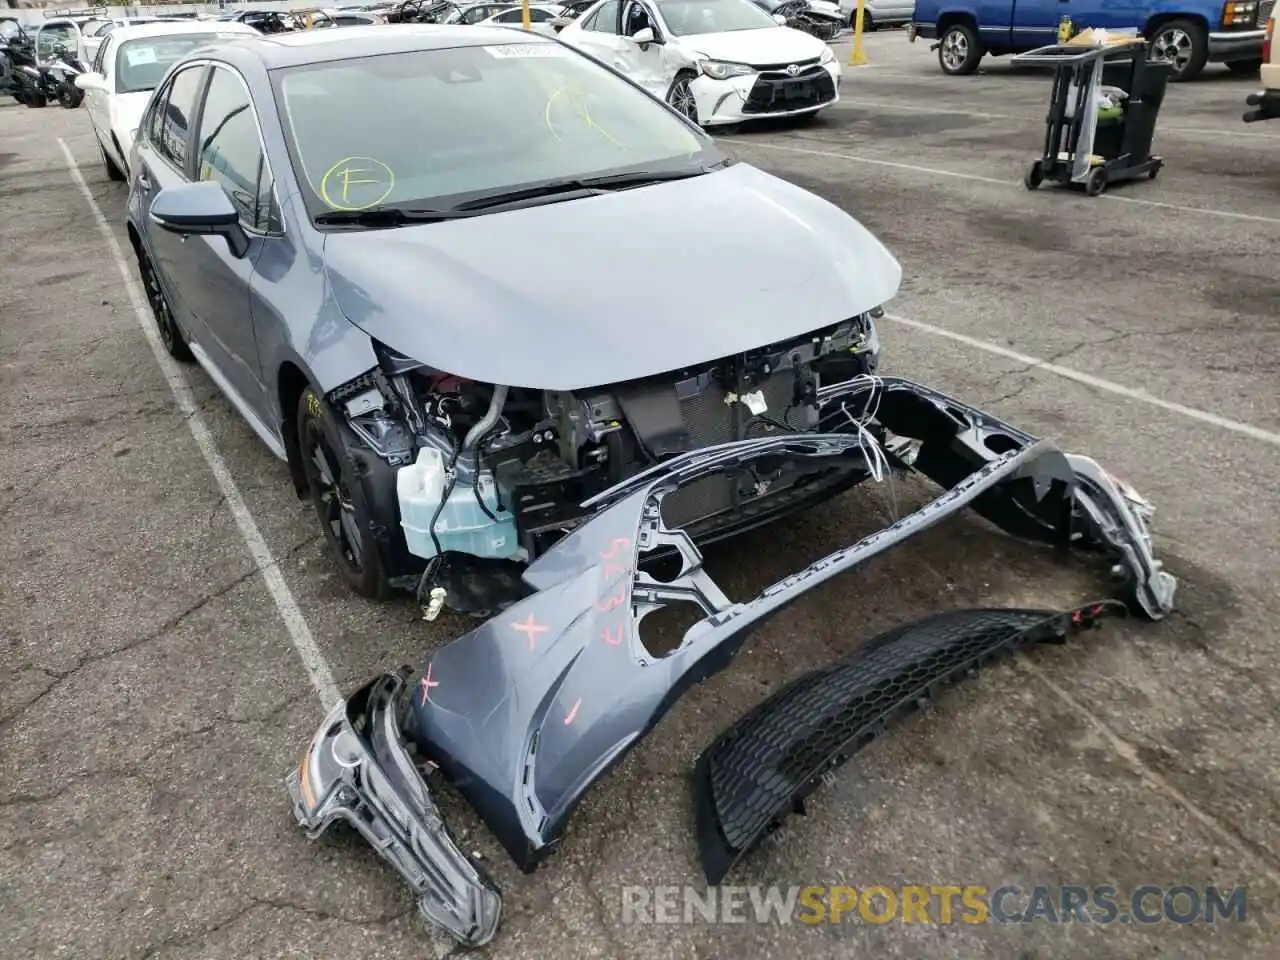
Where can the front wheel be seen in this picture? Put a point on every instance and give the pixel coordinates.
(959, 50)
(681, 98)
(1185, 44)
(338, 498)
(35, 98)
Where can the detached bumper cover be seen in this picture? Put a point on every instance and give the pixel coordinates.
(527, 711)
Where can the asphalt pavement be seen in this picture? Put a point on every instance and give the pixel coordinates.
(152, 697)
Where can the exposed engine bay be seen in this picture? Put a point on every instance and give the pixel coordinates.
(487, 476)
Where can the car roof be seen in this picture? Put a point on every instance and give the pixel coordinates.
(173, 28)
(320, 46)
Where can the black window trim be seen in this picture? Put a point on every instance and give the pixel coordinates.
(167, 87)
(193, 160)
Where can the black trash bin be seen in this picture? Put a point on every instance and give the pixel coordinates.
(1133, 132)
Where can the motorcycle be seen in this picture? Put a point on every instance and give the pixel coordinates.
(62, 70)
(27, 83)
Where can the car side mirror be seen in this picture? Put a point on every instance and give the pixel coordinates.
(200, 208)
(779, 19)
(645, 36)
(91, 81)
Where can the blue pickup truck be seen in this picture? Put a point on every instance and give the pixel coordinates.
(1187, 33)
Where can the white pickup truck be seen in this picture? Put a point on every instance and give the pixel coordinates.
(1266, 102)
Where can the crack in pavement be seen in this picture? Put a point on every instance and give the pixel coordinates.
(53, 470)
(256, 903)
(137, 767)
(61, 676)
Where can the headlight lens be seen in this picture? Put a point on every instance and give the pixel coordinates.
(827, 55)
(722, 70)
(1239, 14)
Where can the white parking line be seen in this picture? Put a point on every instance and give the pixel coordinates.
(1089, 380)
(317, 667)
(938, 172)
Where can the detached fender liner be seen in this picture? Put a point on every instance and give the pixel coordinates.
(763, 767)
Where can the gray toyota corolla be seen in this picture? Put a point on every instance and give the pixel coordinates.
(524, 335)
(463, 279)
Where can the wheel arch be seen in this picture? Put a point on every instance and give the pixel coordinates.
(1158, 20)
(962, 17)
(290, 383)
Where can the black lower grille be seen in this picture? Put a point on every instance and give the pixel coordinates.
(763, 766)
(780, 93)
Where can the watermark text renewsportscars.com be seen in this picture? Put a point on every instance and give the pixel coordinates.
(934, 904)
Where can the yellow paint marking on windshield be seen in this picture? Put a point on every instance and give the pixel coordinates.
(579, 108)
(357, 182)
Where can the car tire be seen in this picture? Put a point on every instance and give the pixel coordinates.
(171, 336)
(1185, 44)
(338, 498)
(680, 96)
(1245, 68)
(114, 172)
(959, 50)
(868, 21)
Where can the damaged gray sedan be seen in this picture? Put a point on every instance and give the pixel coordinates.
(523, 334)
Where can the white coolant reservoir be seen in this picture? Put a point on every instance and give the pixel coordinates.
(463, 524)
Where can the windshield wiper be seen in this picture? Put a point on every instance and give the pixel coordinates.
(577, 188)
(387, 216)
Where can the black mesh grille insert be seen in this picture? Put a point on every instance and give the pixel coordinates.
(754, 773)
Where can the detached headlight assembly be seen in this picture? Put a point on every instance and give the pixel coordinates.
(722, 70)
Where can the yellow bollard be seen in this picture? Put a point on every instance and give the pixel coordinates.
(858, 56)
(524, 14)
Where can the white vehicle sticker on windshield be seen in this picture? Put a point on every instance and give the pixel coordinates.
(517, 50)
(140, 56)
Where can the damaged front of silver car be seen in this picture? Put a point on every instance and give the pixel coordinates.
(524, 713)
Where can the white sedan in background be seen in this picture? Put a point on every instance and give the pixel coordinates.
(715, 61)
(129, 65)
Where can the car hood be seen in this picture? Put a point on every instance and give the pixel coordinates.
(615, 287)
(768, 45)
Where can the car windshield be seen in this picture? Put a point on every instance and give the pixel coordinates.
(141, 63)
(433, 128)
(687, 18)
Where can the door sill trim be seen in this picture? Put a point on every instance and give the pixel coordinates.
(265, 433)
